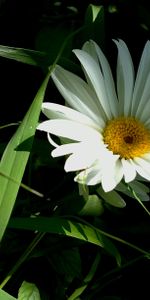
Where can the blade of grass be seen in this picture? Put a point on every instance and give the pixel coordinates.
(17, 152)
(16, 155)
(9, 125)
(69, 228)
(27, 56)
(24, 186)
(6, 296)
(87, 279)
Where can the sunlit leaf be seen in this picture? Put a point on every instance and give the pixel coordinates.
(26, 56)
(94, 24)
(28, 291)
(6, 296)
(92, 13)
(66, 227)
(15, 158)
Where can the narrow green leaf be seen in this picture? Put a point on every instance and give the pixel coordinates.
(92, 13)
(6, 296)
(87, 279)
(27, 56)
(94, 24)
(28, 291)
(15, 157)
(24, 186)
(66, 227)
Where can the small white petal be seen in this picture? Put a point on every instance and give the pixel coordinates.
(65, 149)
(144, 115)
(95, 79)
(125, 78)
(57, 111)
(142, 167)
(70, 129)
(129, 171)
(112, 175)
(78, 161)
(78, 94)
(94, 50)
(51, 141)
(91, 176)
(141, 78)
(142, 109)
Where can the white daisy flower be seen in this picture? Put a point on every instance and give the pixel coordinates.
(107, 128)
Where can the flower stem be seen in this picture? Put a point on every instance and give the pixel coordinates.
(113, 237)
(139, 200)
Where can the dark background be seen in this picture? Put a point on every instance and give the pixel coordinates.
(20, 25)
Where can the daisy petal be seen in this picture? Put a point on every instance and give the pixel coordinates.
(142, 166)
(65, 149)
(125, 78)
(112, 175)
(92, 48)
(70, 129)
(142, 109)
(57, 111)
(91, 176)
(95, 79)
(77, 94)
(78, 161)
(129, 171)
(141, 78)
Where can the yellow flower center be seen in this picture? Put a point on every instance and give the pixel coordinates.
(127, 137)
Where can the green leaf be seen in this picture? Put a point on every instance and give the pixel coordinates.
(141, 190)
(28, 291)
(92, 13)
(94, 24)
(93, 206)
(87, 279)
(27, 56)
(66, 227)
(6, 296)
(113, 198)
(15, 157)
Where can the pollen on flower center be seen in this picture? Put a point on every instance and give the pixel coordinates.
(127, 137)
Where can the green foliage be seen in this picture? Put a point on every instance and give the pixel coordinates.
(72, 244)
(15, 158)
(26, 56)
(28, 291)
(6, 296)
(66, 227)
(113, 198)
(86, 280)
(94, 24)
